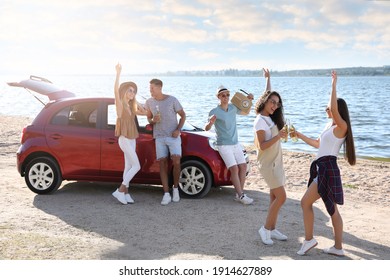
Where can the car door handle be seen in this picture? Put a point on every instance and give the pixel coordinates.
(111, 140)
(56, 136)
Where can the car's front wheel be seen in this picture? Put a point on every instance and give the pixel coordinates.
(195, 179)
(42, 175)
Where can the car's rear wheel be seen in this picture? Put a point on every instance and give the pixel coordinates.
(195, 179)
(42, 175)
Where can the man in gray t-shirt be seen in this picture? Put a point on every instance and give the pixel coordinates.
(162, 111)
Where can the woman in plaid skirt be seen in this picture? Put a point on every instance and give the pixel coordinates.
(325, 180)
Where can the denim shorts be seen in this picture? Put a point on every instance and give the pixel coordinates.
(166, 146)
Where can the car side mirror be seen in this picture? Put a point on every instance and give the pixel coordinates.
(149, 127)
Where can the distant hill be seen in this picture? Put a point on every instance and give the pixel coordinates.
(349, 71)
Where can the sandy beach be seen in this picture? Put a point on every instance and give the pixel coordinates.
(82, 221)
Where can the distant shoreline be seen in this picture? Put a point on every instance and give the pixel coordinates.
(378, 71)
(346, 71)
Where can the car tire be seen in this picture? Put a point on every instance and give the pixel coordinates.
(42, 175)
(195, 179)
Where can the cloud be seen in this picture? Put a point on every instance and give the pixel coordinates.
(184, 33)
(185, 8)
(197, 54)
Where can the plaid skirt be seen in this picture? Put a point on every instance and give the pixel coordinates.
(328, 176)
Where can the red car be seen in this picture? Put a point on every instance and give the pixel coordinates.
(73, 139)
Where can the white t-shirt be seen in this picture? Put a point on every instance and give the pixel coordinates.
(264, 123)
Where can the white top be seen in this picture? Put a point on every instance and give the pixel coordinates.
(329, 144)
(264, 123)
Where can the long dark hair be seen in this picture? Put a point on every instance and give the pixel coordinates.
(349, 145)
(277, 117)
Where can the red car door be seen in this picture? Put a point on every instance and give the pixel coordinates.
(112, 159)
(75, 141)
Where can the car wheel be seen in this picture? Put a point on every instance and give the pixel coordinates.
(42, 175)
(195, 179)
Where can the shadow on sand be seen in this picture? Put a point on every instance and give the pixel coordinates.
(215, 227)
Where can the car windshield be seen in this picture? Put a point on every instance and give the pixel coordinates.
(189, 127)
(143, 121)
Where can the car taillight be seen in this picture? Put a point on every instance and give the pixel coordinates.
(22, 137)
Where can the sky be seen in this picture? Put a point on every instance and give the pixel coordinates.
(148, 36)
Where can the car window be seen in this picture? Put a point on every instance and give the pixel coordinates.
(111, 116)
(142, 120)
(62, 117)
(81, 114)
(93, 117)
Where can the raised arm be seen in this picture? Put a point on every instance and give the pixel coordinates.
(118, 103)
(341, 125)
(267, 77)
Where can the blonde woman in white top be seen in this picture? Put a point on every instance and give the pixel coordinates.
(126, 131)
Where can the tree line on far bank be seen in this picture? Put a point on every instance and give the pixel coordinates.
(348, 71)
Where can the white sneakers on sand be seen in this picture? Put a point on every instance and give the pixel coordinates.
(244, 199)
(175, 194)
(267, 235)
(125, 198)
(333, 251)
(306, 246)
(122, 197)
(278, 235)
(129, 199)
(309, 244)
(167, 197)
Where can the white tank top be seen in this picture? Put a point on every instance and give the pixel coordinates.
(329, 144)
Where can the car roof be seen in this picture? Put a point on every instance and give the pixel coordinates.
(43, 86)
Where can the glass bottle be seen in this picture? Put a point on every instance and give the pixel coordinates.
(158, 114)
(292, 133)
(285, 128)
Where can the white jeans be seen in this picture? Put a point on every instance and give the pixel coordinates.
(132, 165)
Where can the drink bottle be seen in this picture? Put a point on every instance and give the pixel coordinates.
(285, 128)
(292, 133)
(158, 113)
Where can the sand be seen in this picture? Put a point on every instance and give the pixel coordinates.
(82, 221)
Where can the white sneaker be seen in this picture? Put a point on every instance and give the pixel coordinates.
(129, 199)
(120, 196)
(166, 199)
(244, 199)
(175, 194)
(278, 235)
(333, 251)
(306, 246)
(265, 235)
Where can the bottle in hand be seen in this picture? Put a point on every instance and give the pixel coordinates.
(157, 114)
(285, 129)
(293, 134)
